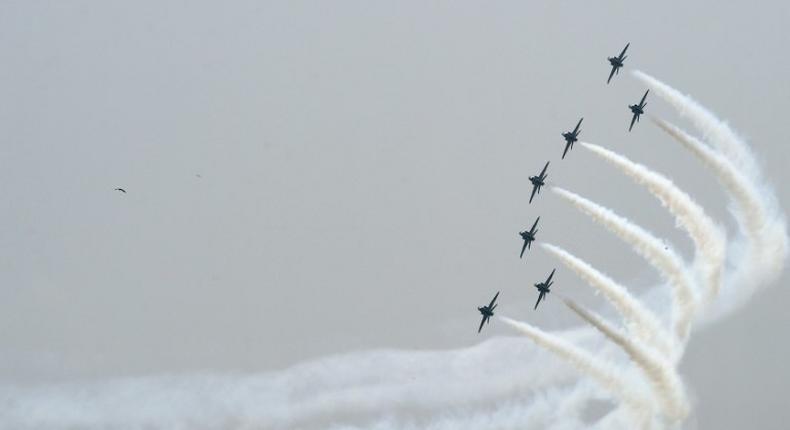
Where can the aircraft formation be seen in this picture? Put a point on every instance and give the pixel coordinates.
(528, 236)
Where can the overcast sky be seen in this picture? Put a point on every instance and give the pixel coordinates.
(308, 178)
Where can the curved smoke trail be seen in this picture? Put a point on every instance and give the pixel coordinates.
(665, 259)
(760, 222)
(588, 364)
(709, 239)
(713, 129)
(500, 383)
(761, 258)
(665, 381)
(647, 327)
(738, 186)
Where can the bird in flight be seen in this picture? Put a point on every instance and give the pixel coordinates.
(121, 190)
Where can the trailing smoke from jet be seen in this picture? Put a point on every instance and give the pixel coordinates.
(665, 381)
(713, 129)
(586, 363)
(762, 258)
(709, 239)
(740, 188)
(665, 259)
(639, 319)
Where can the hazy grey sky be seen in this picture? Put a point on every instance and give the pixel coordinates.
(363, 176)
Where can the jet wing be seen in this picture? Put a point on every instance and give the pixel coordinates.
(542, 172)
(633, 120)
(494, 299)
(523, 248)
(532, 230)
(623, 53)
(483, 321)
(642, 103)
(614, 69)
(567, 146)
(540, 297)
(550, 276)
(534, 188)
(576, 130)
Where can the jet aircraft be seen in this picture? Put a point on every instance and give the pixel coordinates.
(544, 287)
(638, 110)
(528, 237)
(538, 181)
(616, 63)
(487, 311)
(571, 137)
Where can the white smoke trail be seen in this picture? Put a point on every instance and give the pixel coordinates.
(708, 237)
(759, 219)
(665, 259)
(763, 257)
(713, 129)
(557, 410)
(667, 384)
(737, 152)
(351, 388)
(588, 364)
(749, 208)
(639, 318)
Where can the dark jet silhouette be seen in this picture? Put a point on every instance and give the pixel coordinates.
(121, 190)
(538, 181)
(571, 137)
(638, 110)
(617, 62)
(487, 311)
(528, 237)
(544, 287)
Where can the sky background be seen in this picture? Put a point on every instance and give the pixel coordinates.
(312, 178)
